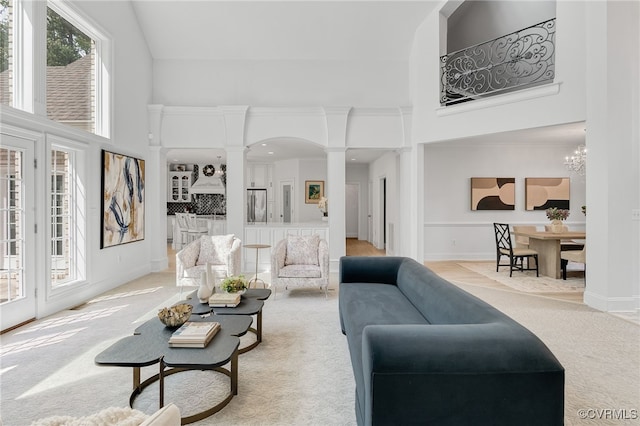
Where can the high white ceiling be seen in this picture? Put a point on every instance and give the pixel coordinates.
(276, 30)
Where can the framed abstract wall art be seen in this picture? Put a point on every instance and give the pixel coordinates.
(542, 193)
(493, 193)
(122, 199)
(313, 191)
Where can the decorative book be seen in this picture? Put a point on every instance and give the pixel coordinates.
(194, 334)
(224, 300)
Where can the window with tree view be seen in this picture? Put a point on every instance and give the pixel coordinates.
(70, 74)
(6, 47)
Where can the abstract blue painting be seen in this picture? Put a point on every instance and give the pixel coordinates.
(122, 199)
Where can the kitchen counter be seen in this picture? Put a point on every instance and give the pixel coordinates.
(317, 224)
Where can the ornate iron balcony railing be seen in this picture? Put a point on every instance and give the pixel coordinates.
(521, 59)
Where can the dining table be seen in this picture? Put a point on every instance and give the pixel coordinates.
(548, 246)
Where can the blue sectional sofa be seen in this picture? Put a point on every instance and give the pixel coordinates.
(425, 352)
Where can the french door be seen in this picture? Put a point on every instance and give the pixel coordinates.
(17, 239)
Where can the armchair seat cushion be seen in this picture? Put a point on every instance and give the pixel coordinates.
(300, 271)
(196, 271)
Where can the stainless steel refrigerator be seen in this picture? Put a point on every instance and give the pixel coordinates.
(256, 205)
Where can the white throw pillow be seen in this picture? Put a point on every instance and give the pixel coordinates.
(214, 249)
(302, 250)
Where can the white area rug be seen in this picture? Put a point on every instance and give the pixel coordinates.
(300, 374)
(526, 280)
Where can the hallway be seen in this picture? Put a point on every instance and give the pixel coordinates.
(357, 247)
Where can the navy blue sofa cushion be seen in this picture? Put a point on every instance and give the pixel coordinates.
(424, 351)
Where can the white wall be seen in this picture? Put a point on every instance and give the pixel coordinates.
(452, 230)
(280, 83)
(315, 169)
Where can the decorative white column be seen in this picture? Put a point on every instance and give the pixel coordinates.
(612, 188)
(337, 118)
(411, 175)
(335, 191)
(234, 122)
(156, 193)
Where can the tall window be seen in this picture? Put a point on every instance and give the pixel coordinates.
(70, 74)
(67, 218)
(6, 49)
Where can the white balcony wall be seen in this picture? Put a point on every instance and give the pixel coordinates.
(561, 102)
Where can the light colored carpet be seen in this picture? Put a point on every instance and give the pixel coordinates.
(300, 374)
(526, 281)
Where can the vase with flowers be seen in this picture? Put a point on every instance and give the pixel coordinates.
(235, 284)
(323, 204)
(556, 216)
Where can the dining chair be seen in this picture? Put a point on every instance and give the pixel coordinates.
(504, 247)
(195, 228)
(180, 231)
(521, 240)
(577, 256)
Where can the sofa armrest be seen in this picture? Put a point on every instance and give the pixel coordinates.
(413, 371)
(369, 269)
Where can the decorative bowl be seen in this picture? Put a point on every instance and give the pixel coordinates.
(176, 315)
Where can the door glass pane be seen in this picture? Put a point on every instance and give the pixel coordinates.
(12, 232)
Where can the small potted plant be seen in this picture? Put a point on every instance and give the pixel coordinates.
(556, 216)
(235, 284)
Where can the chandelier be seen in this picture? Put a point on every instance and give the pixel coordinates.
(577, 163)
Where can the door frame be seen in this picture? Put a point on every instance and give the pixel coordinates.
(25, 309)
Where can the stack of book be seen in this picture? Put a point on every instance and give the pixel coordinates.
(194, 334)
(224, 300)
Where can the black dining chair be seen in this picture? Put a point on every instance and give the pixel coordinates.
(504, 247)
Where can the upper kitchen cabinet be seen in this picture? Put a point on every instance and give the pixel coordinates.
(259, 176)
(179, 184)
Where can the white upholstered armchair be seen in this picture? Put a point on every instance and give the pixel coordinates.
(300, 261)
(222, 252)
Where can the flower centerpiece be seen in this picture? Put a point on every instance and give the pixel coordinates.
(235, 284)
(556, 216)
(323, 204)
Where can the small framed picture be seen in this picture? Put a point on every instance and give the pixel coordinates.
(313, 191)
